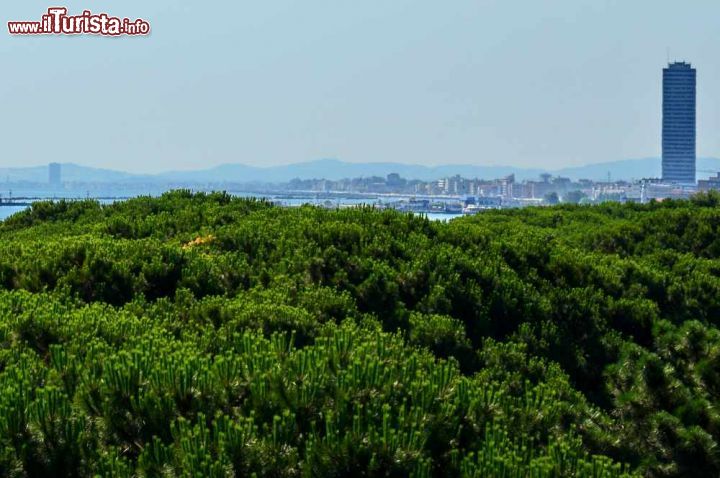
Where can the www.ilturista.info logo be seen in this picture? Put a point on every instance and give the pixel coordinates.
(58, 22)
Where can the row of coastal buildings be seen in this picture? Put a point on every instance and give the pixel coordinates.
(678, 178)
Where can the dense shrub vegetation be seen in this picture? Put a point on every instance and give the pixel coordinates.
(203, 335)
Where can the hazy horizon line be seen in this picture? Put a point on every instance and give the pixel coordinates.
(338, 160)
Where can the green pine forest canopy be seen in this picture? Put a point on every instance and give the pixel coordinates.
(206, 335)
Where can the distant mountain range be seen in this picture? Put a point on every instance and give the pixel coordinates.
(334, 169)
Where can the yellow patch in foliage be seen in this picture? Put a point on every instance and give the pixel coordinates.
(199, 241)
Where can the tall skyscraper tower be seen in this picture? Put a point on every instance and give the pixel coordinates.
(678, 129)
(54, 175)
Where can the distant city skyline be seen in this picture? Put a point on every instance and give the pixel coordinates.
(524, 84)
(331, 169)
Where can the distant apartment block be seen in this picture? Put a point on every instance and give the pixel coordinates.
(678, 126)
(712, 183)
(55, 174)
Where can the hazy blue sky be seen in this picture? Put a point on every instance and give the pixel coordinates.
(524, 83)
